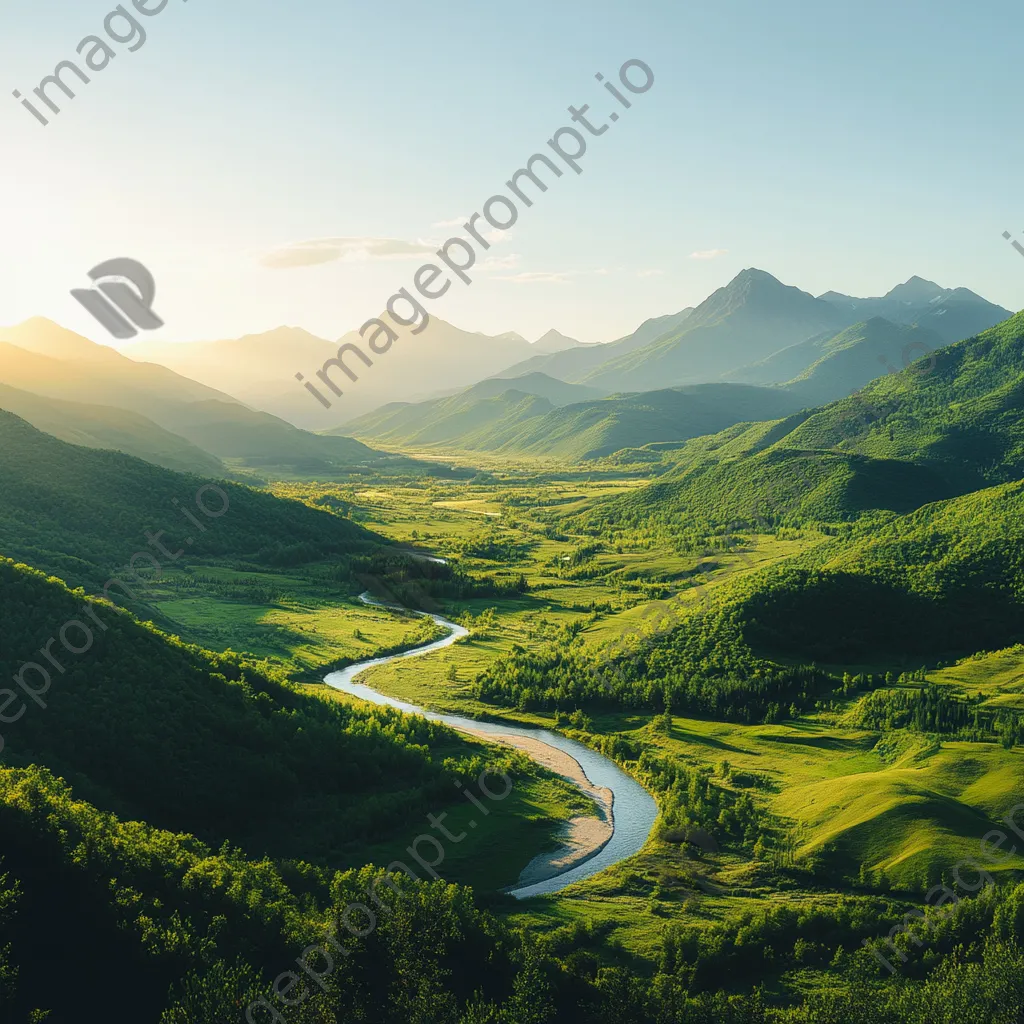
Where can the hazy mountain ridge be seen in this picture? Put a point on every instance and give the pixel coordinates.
(526, 418)
(102, 426)
(205, 418)
(928, 433)
(260, 369)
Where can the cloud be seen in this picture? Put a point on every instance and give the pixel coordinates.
(500, 262)
(536, 277)
(457, 222)
(650, 273)
(356, 250)
(708, 254)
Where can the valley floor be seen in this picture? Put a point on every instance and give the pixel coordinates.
(850, 815)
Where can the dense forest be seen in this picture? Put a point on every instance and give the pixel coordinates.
(81, 513)
(148, 727)
(195, 936)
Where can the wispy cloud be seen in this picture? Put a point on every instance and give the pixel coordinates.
(536, 277)
(456, 222)
(325, 250)
(708, 254)
(493, 263)
(650, 273)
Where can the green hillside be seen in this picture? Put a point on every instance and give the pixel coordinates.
(84, 372)
(832, 366)
(98, 426)
(81, 513)
(464, 419)
(517, 423)
(222, 756)
(594, 429)
(948, 424)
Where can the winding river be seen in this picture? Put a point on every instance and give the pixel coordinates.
(634, 808)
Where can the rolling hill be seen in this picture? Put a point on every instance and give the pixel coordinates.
(530, 416)
(947, 425)
(80, 513)
(85, 372)
(493, 403)
(102, 426)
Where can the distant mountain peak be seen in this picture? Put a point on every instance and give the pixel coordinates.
(917, 290)
(752, 278)
(554, 335)
(555, 341)
(754, 292)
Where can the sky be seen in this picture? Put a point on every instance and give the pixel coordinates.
(840, 146)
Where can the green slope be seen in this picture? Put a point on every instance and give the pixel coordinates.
(518, 423)
(832, 366)
(949, 424)
(594, 429)
(82, 371)
(185, 739)
(98, 426)
(81, 513)
(945, 579)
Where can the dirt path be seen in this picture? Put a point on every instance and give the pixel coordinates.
(582, 837)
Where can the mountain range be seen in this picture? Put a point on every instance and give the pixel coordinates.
(755, 315)
(93, 395)
(260, 369)
(756, 349)
(537, 415)
(751, 319)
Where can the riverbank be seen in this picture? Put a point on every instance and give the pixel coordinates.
(625, 811)
(582, 837)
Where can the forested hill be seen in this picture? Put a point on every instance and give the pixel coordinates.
(943, 582)
(150, 728)
(517, 422)
(104, 426)
(81, 513)
(949, 424)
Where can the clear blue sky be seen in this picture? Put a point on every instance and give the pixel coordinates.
(836, 145)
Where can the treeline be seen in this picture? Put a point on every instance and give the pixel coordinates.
(677, 674)
(170, 931)
(935, 709)
(149, 727)
(423, 583)
(695, 805)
